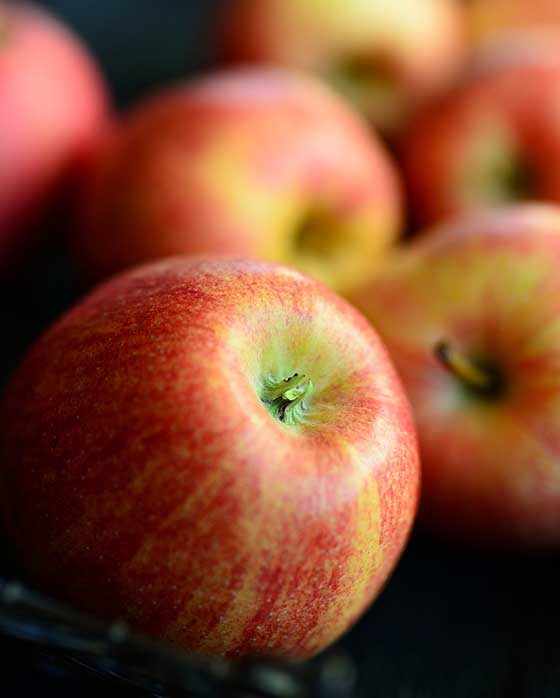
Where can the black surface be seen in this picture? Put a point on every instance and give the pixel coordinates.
(452, 623)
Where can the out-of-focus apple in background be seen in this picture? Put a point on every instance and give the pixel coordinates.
(53, 105)
(470, 316)
(386, 57)
(257, 162)
(495, 137)
(488, 18)
(219, 451)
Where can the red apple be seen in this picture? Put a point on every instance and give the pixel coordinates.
(53, 104)
(254, 163)
(470, 317)
(385, 56)
(219, 451)
(495, 138)
(490, 17)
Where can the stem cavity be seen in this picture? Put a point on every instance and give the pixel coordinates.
(482, 379)
(285, 399)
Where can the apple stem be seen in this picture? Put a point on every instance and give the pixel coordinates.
(463, 368)
(285, 398)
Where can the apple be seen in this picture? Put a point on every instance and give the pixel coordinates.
(495, 138)
(385, 56)
(218, 451)
(470, 316)
(260, 163)
(53, 104)
(488, 18)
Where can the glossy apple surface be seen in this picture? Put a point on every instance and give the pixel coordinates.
(53, 104)
(258, 163)
(470, 317)
(495, 138)
(218, 451)
(384, 56)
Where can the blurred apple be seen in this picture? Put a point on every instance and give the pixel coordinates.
(53, 105)
(384, 56)
(488, 18)
(470, 317)
(255, 163)
(495, 138)
(218, 451)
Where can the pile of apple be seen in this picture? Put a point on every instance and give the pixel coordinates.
(214, 444)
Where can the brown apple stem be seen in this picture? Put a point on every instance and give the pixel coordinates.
(463, 368)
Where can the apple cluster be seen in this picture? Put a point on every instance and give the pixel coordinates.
(222, 442)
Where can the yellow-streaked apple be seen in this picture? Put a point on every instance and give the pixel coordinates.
(387, 57)
(261, 163)
(494, 139)
(470, 317)
(218, 451)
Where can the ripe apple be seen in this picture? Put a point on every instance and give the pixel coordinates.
(470, 317)
(495, 138)
(490, 17)
(254, 163)
(219, 451)
(385, 56)
(53, 103)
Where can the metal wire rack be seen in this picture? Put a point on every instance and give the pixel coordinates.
(111, 651)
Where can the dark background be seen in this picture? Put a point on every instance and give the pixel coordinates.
(452, 622)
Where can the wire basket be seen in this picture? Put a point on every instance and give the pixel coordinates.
(55, 635)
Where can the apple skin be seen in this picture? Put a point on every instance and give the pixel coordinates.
(488, 18)
(237, 163)
(53, 105)
(494, 138)
(488, 284)
(386, 57)
(142, 475)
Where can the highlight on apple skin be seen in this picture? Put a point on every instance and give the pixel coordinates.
(494, 139)
(386, 57)
(470, 317)
(219, 450)
(53, 105)
(261, 163)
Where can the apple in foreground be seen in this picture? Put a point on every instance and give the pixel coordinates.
(490, 17)
(470, 317)
(259, 163)
(53, 104)
(495, 138)
(386, 57)
(219, 451)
